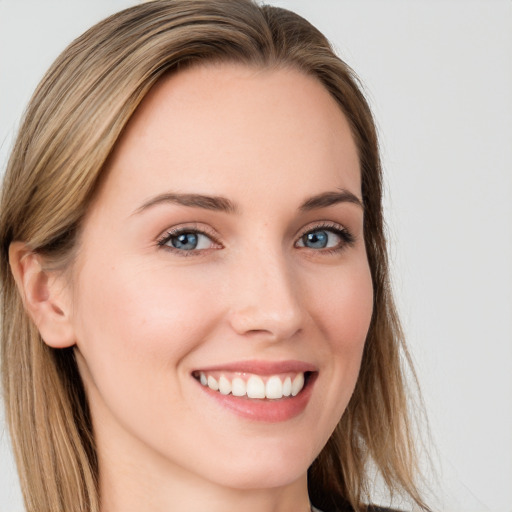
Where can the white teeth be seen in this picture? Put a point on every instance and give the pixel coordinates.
(224, 385)
(297, 384)
(255, 387)
(238, 387)
(274, 388)
(212, 383)
(287, 386)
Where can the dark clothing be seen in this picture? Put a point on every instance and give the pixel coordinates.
(348, 508)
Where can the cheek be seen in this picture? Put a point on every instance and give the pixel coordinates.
(134, 319)
(344, 312)
(135, 326)
(342, 309)
(345, 305)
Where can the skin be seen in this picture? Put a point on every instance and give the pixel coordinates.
(144, 317)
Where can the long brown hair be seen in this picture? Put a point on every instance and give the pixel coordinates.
(71, 126)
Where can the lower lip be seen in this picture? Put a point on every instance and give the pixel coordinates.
(271, 411)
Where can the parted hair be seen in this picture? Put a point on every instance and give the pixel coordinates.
(70, 128)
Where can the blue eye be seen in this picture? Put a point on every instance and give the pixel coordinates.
(325, 238)
(316, 240)
(184, 240)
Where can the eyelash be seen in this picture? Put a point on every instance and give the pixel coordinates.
(175, 232)
(346, 237)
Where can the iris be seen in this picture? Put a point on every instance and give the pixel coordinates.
(185, 241)
(316, 239)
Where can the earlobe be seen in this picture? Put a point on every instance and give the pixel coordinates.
(45, 296)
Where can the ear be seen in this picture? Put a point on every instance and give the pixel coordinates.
(45, 296)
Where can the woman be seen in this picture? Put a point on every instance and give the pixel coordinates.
(195, 282)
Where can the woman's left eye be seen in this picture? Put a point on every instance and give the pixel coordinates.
(187, 240)
(325, 238)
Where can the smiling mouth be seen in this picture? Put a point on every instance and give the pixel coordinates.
(253, 386)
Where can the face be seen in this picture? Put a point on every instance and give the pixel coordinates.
(221, 293)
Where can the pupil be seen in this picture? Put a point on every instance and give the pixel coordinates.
(185, 241)
(316, 240)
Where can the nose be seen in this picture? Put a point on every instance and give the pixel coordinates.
(265, 297)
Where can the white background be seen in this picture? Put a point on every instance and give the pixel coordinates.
(439, 77)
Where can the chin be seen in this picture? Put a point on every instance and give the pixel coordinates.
(262, 477)
(263, 469)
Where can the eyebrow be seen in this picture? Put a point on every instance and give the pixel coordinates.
(222, 204)
(215, 203)
(327, 199)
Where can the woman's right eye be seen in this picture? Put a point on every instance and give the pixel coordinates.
(187, 240)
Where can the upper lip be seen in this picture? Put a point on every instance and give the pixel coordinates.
(260, 367)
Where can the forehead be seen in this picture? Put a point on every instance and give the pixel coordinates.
(217, 128)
